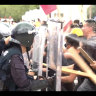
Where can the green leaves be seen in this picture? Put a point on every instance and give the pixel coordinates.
(91, 11)
(15, 11)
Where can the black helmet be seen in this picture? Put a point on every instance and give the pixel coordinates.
(24, 33)
(4, 30)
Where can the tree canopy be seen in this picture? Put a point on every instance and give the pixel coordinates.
(15, 11)
(91, 11)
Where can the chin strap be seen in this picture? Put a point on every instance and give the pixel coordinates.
(28, 56)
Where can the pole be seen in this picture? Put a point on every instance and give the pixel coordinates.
(82, 64)
(59, 51)
(90, 12)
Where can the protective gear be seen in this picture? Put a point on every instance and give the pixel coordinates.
(4, 30)
(39, 84)
(77, 31)
(6, 80)
(35, 85)
(24, 33)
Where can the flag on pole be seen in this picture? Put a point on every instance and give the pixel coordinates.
(48, 8)
(67, 25)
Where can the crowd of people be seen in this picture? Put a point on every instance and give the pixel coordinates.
(16, 73)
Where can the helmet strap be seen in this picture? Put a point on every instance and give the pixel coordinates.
(28, 56)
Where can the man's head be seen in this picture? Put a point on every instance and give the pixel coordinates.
(76, 21)
(72, 40)
(89, 27)
(24, 34)
(4, 30)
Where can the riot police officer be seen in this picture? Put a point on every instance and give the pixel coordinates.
(23, 36)
(4, 36)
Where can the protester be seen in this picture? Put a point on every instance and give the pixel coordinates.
(77, 31)
(89, 31)
(38, 24)
(72, 40)
(76, 28)
(66, 79)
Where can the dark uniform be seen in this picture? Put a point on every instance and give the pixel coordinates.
(2, 45)
(21, 78)
(3, 33)
(17, 74)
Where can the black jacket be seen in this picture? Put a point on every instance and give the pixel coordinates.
(2, 45)
(20, 76)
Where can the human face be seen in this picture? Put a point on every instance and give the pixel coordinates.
(85, 29)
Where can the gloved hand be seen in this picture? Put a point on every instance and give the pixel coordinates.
(51, 83)
(34, 67)
(41, 77)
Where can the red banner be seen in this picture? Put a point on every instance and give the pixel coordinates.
(67, 25)
(48, 8)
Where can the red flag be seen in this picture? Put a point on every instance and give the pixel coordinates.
(67, 25)
(48, 8)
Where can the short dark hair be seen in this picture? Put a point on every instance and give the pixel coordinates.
(77, 21)
(73, 40)
(91, 23)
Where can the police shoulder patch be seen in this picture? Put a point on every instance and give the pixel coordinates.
(5, 53)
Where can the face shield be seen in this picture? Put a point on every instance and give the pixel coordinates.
(38, 50)
(24, 32)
